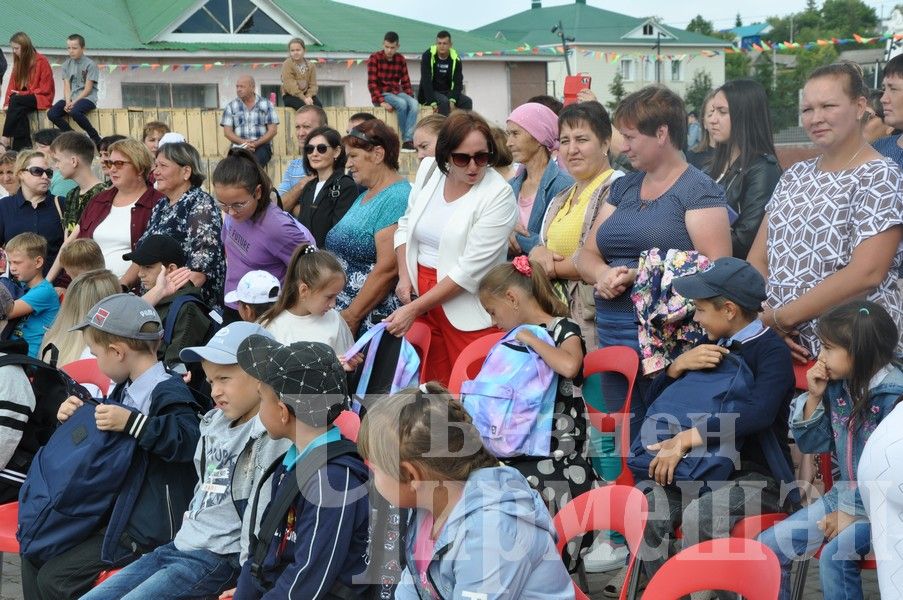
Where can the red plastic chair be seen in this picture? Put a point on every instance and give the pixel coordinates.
(739, 565)
(349, 423)
(468, 364)
(420, 336)
(622, 360)
(104, 575)
(9, 523)
(751, 527)
(87, 371)
(613, 507)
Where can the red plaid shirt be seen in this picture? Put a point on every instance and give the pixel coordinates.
(387, 76)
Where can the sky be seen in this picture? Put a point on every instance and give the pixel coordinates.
(469, 14)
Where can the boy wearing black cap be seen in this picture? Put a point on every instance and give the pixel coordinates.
(158, 410)
(320, 541)
(728, 298)
(156, 257)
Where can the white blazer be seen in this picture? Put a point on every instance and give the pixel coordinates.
(470, 246)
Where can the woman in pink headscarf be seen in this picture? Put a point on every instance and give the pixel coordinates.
(532, 137)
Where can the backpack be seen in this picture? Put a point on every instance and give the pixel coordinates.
(72, 484)
(283, 501)
(198, 382)
(512, 399)
(686, 403)
(16, 291)
(390, 364)
(51, 387)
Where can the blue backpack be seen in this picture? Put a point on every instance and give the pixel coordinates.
(72, 485)
(512, 399)
(689, 402)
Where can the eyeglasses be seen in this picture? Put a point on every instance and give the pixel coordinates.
(109, 164)
(234, 208)
(38, 171)
(357, 133)
(480, 159)
(321, 148)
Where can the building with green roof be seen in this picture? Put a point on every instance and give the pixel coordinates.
(605, 43)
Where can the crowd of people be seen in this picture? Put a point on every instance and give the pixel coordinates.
(609, 232)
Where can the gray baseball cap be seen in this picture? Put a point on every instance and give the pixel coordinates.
(307, 376)
(222, 348)
(729, 277)
(123, 315)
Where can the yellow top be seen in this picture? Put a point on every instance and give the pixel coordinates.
(563, 236)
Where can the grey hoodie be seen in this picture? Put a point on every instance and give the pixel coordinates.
(498, 542)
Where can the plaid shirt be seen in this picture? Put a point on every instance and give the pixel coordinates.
(249, 124)
(387, 76)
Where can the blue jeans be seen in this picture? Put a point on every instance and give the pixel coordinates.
(408, 110)
(168, 573)
(79, 114)
(799, 535)
(620, 329)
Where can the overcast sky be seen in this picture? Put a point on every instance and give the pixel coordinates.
(469, 14)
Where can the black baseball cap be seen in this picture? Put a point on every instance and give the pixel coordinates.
(157, 249)
(731, 278)
(307, 376)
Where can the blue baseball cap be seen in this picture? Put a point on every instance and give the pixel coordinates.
(222, 349)
(728, 277)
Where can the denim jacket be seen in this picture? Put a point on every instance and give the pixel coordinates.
(553, 181)
(827, 429)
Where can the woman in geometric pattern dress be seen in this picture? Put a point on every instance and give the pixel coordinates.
(833, 226)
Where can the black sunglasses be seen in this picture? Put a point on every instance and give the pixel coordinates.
(480, 159)
(38, 171)
(321, 148)
(357, 133)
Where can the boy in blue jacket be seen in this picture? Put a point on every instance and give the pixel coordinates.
(728, 297)
(318, 547)
(158, 410)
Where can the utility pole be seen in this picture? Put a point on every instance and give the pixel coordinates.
(658, 56)
(559, 29)
(774, 67)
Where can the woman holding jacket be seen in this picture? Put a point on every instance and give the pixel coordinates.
(744, 163)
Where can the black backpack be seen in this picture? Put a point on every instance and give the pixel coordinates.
(382, 582)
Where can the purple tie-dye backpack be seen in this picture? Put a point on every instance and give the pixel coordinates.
(512, 399)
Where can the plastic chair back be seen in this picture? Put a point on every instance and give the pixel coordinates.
(87, 371)
(9, 523)
(751, 527)
(624, 361)
(467, 365)
(420, 336)
(613, 507)
(738, 565)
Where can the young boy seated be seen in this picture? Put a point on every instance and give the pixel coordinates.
(123, 332)
(728, 297)
(157, 256)
(234, 452)
(41, 141)
(38, 307)
(256, 293)
(73, 154)
(80, 256)
(320, 544)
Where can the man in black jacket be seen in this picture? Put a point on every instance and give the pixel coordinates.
(441, 77)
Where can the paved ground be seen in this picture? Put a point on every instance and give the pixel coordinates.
(12, 588)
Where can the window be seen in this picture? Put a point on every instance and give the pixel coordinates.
(329, 95)
(230, 17)
(677, 70)
(628, 69)
(649, 65)
(170, 95)
(648, 29)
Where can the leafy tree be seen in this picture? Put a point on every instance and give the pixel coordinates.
(617, 91)
(846, 17)
(738, 22)
(699, 88)
(736, 66)
(700, 25)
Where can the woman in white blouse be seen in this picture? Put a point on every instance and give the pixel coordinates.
(460, 214)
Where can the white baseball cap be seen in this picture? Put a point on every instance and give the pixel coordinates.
(170, 137)
(255, 287)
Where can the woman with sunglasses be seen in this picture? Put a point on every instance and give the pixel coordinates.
(362, 239)
(744, 162)
(117, 218)
(190, 215)
(328, 196)
(257, 234)
(33, 208)
(456, 228)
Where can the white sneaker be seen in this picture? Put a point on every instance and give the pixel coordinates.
(604, 557)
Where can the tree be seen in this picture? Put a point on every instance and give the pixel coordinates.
(739, 21)
(700, 25)
(736, 66)
(843, 18)
(617, 91)
(698, 90)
